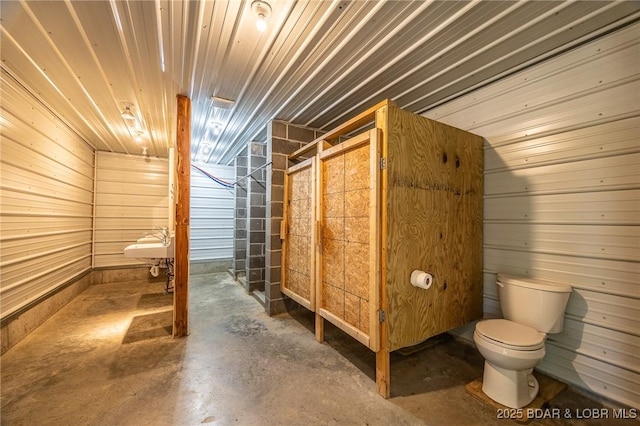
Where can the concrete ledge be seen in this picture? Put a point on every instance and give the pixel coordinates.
(17, 326)
(201, 267)
(129, 273)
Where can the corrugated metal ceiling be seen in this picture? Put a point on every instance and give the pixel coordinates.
(318, 63)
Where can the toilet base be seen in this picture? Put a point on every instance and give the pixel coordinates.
(510, 388)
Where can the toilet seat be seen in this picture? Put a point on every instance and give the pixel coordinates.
(510, 335)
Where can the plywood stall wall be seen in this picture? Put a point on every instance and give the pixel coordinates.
(403, 196)
(562, 202)
(434, 188)
(132, 198)
(299, 243)
(46, 201)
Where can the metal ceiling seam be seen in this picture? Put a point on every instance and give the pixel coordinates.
(280, 69)
(365, 41)
(542, 72)
(395, 60)
(362, 58)
(194, 68)
(308, 40)
(87, 42)
(41, 101)
(124, 48)
(281, 74)
(552, 53)
(257, 64)
(51, 83)
(317, 69)
(325, 63)
(517, 66)
(532, 22)
(240, 96)
(227, 53)
(476, 53)
(194, 59)
(68, 68)
(222, 39)
(141, 83)
(258, 125)
(165, 104)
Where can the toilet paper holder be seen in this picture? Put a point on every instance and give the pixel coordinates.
(421, 279)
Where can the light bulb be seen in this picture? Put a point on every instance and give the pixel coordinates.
(261, 23)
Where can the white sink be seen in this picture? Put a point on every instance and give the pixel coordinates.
(150, 251)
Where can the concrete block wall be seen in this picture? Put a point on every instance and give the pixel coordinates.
(240, 221)
(256, 216)
(282, 139)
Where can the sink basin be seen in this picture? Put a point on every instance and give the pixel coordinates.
(150, 251)
(149, 239)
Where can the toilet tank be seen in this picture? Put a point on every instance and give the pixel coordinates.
(536, 303)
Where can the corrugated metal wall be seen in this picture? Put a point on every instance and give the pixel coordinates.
(46, 200)
(562, 201)
(131, 199)
(212, 213)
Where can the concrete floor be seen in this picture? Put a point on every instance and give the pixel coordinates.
(108, 358)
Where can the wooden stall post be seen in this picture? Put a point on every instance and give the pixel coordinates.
(181, 259)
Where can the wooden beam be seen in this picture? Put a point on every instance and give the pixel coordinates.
(183, 173)
(383, 358)
(356, 122)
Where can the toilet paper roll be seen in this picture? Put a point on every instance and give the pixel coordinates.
(421, 279)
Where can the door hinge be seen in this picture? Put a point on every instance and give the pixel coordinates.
(381, 315)
(383, 163)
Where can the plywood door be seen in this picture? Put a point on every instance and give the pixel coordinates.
(298, 263)
(348, 290)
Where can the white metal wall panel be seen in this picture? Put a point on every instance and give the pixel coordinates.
(46, 200)
(212, 213)
(562, 201)
(131, 200)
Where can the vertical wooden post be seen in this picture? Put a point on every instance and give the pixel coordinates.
(181, 265)
(383, 359)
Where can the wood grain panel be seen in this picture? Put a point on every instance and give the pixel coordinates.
(333, 300)
(352, 309)
(356, 168)
(434, 221)
(298, 276)
(333, 175)
(183, 173)
(346, 221)
(333, 262)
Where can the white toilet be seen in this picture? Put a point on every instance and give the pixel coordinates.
(512, 346)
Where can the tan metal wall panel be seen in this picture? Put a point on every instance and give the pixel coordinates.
(46, 200)
(604, 241)
(131, 199)
(212, 214)
(562, 201)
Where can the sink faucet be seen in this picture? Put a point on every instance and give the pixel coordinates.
(164, 233)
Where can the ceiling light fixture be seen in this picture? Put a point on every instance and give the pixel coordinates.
(262, 9)
(222, 103)
(127, 114)
(216, 128)
(137, 135)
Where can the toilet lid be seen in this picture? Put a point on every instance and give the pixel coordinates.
(510, 333)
